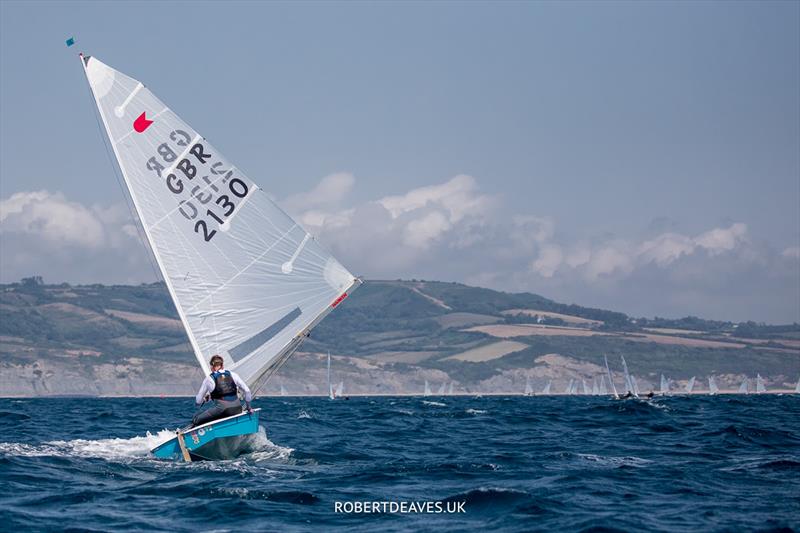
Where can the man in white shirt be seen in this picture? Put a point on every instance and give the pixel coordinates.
(223, 387)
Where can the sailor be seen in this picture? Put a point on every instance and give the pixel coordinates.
(223, 387)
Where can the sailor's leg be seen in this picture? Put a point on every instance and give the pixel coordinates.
(214, 412)
(233, 407)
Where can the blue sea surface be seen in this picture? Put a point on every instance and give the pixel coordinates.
(695, 463)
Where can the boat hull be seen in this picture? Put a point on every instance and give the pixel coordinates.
(218, 439)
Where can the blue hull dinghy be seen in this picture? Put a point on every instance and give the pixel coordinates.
(218, 439)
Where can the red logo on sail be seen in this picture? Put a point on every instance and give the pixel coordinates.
(141, 123)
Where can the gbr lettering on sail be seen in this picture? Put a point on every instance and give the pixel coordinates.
(205, 187)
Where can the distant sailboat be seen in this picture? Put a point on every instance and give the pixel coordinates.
(450, 390)
(664, 385)
(440, 392)
(743, 387)
(586, 391)
(546, 389)
(569, 387)
(712, 386)
(427, 389)
(528, 388)
(610, 378)
(340, 389)
(690, 385)
(331, 395)
(595, 388)
(760, 388)
(629, 382)
(283, 391)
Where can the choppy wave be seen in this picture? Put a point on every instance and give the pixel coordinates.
(549, 463)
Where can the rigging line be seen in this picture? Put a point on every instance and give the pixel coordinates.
(136, 221)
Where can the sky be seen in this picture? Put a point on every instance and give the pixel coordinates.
(640, 157)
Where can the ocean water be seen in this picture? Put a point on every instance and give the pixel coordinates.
(517, 464)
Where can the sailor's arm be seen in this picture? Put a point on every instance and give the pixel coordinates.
(248, 396)
(205, 388)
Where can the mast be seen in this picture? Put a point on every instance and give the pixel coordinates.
(198, 353)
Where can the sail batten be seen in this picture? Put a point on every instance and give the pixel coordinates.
(248, 282)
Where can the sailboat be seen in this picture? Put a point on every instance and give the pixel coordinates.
(712, 386)
(586, 391)
(440, 392)
(331, 395)
(283, 391)
(595, 388)
(743, 386)
(760, 388)
(427, 389)
(546, 389)
(630, 383)
(528, 388)
(569, 387)
(610, 378)
(340, 389)
(450, 389)
(664, 385)
(248, 282)
(690, 385)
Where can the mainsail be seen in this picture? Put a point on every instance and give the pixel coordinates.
(760, 388)
(712, 385)
(743, 386)
(528, 388)
(610, 377)
(248, 282)
(690, 385)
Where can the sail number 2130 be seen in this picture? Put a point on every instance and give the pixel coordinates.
(201, 183)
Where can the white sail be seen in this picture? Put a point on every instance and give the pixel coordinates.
(595, 388)
(712, 386)
(528, 388)
(283, 391)
(690, 385)
(569, 387)
(586, 391)
(427, 389)
(610, 378)
(664, 385)
(450, 390)
(440, 392)
(603, 389)
(340, 389)
(743, 387)
(546, 389)
(629, 383)
(760, 388)
(248, 281)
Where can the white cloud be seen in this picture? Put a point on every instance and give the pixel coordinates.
(792, 252)
(549, 260)
(52, 217)
(46, 234)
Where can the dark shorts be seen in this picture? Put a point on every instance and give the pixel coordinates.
(220, 409)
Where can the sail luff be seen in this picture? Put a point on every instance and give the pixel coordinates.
(198, 353)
